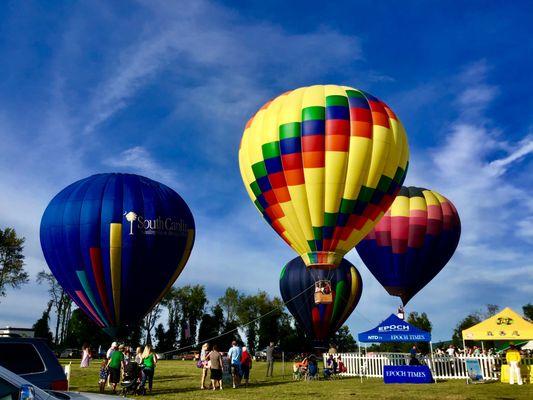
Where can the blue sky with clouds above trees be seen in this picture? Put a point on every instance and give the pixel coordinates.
(164, 89)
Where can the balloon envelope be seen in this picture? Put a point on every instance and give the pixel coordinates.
(320, 321)
(116, 243)
(413, 241)
(322, 164)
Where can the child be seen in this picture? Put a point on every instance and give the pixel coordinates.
(103, 375)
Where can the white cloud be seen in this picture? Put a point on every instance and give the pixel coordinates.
(524, 148)
(469, 169)
(138, 159)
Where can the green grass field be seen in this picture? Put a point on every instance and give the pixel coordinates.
(181, 380)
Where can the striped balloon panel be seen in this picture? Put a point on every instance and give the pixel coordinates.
(114, 269)
(322, 164)
(413, 241)
(320, 321)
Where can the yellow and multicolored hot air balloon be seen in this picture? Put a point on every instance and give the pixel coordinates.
(323, 164)
(412, 242)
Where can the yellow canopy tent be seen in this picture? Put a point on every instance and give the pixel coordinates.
(506, 325)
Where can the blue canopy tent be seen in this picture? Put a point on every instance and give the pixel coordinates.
(394, 329)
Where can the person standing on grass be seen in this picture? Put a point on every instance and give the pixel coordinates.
(203, 359)
(110, 351)
(234, 355)
(85, 356)
(270, 360)
(513, 360)
(138, 355)
(102, 377)
(215, 360)
(108, 354)
(114, 365)
(246, 365)
(149, 360)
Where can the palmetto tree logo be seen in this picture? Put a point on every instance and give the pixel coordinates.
(131, 217)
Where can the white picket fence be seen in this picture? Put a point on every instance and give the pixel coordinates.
(441, 366)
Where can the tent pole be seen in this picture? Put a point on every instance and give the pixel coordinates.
(431, 359)
(360, 362)
(482, 346)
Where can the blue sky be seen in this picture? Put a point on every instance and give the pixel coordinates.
(164, 89)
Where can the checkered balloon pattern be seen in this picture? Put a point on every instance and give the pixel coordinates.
(322, 164)
(413, 241)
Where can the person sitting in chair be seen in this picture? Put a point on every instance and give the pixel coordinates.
(331, 367)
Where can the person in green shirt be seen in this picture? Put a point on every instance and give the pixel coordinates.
(115, 364)
(149, 360)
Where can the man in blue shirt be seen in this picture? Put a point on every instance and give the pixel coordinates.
(234, 355)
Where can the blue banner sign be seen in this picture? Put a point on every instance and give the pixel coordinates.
(407, 374)
(473, 369)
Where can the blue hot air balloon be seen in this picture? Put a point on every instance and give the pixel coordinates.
(116, 243)
(320, 300)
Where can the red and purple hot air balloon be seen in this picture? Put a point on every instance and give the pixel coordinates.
(413, 241)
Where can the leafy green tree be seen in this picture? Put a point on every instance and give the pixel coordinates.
(229, 303)
(292, 337)
(41, 327)
(229, 333)
(61, 303)
(248, 310)
(467, 322)
(160, 338)
(12, 272)
(492, 309)
(274, 323)
(344, 340)
(528, 311)
(421, 321)
(171, 301)
(81, 329)
(149, 321)
(211, 324)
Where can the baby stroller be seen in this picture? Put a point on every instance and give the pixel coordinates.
(130, 381)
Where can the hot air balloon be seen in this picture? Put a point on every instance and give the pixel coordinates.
(413, 241)
(322, 164)
(116, 243)
(299, 292)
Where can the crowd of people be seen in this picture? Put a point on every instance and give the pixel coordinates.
(136, 368)
(122, 363)
(473, 351)
(305, 366)
(239, 362)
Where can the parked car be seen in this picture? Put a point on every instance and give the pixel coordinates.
(70, 353)
(187, 356)
(34, 361)
(12, 386)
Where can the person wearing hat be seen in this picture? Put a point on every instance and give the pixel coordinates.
(110, 351)
(513, 360)
(108, 354)
(115, 364)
